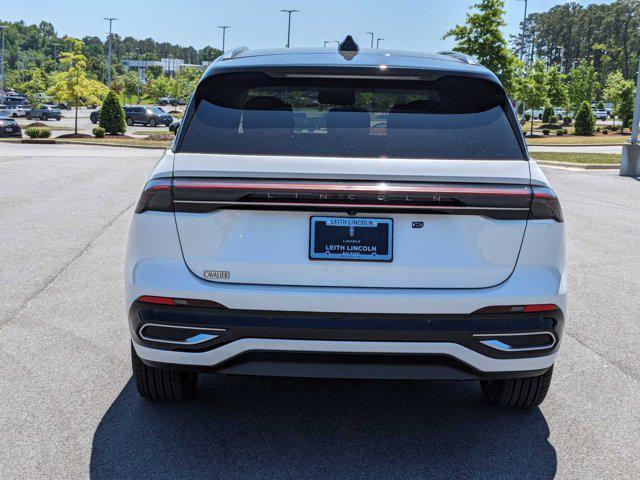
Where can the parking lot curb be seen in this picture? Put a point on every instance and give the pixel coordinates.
(583, 166)
(108, 144)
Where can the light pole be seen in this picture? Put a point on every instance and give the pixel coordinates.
(524, 26)
(110, 20)
(55, 55)
(224, 34)
(378, 42)
(289, 27)
(630, 161)
(372, 34)
(2, 62)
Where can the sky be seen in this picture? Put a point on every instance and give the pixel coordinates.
(404, 24)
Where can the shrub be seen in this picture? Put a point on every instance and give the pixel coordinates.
(112, 117)
(527, 116)
(98, 132)
(553, 119)
(605, 132)
(567, 120)
(600, 105)
(546, 131)
(597, 129)
(585, 121)
(613, 128)
(560, 132)
(546, 115)
(38, 132)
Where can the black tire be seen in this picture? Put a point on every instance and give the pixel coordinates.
(160, 384)
(28, 116)
(45, 117)
(153, 123)
(130, 121)
(525, 392)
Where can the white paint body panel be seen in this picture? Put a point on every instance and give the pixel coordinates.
(272, 248)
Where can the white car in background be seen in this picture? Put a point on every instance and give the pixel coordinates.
(432, 248)
(18, 110)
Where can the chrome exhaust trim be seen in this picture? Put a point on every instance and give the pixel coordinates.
(200, 335)
(493, 341)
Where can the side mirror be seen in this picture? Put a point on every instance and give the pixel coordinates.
(174, 127)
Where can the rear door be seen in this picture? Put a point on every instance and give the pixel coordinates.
(284, 181)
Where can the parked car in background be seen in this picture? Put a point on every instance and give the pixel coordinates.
(4, 111)
(18, 110)
(46, 112)
(601, 114)
(9, 127)
(13, 100)
(171, 101)
(151, 116)
(535, 113)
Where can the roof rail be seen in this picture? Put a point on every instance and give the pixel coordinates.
(229, 54)
(463, 57)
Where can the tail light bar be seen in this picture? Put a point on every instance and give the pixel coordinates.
(202, 195)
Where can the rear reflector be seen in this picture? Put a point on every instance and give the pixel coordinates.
(546, 307)
(181, 302)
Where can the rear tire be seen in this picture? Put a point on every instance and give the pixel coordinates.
(525, 392)
(153, 123)
(129, 121)
(159, 384)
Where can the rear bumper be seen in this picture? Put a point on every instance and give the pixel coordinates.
(311, 344)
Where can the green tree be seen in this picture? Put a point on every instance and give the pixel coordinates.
(161, 86)
(35, 82)
(556, 87)
(481, 37)
(613, 91)
(532, 87)
(624, 106)
(585, 121)
(112, 117)
(72, 85)
(583, 84)
(131, 85)
(600, 105)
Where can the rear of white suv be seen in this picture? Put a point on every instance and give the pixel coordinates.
(365, 217)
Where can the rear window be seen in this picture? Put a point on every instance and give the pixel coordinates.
(449, 118)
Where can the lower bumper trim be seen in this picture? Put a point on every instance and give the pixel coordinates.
(211, 359)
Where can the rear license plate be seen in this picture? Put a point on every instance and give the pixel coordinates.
(351, 238)
(8, 129)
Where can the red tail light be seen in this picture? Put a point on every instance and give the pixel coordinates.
(181, 302)
(545, 205)
(156, 196)
(545, 307)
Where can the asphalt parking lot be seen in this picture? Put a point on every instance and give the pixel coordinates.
(69, 408)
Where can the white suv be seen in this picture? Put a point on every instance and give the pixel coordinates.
(349, 214)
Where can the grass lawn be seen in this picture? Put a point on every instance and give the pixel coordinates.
(610, 158)
(150, 131)
(611, 139)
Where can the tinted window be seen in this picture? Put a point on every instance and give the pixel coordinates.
(252, 113)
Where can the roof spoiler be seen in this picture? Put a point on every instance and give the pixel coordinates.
(463, 57)
(229, 54)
